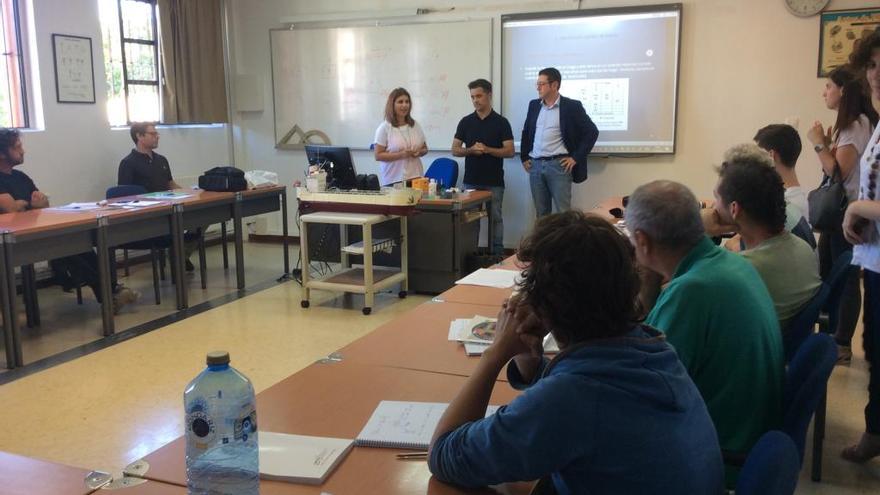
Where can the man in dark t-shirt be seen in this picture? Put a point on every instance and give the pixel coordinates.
(485, 139)
(19, 193)
(143, 166)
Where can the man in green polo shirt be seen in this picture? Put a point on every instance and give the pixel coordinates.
(715, 311)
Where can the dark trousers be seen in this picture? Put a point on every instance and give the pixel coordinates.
(831, 245)
(81, 269)
(872, 350)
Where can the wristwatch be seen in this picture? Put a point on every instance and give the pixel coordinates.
(818, 148)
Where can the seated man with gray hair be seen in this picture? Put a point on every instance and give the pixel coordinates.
(715, 311)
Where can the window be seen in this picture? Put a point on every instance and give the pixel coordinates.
(131, 59)
(13, 97)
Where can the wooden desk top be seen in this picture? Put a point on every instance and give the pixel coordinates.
(264, 190)
(337, 399)
(418, 340)
(475, 294)
(41, 220)
(21, 475)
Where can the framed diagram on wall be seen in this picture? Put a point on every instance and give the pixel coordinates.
(74, 69)
(839, 31)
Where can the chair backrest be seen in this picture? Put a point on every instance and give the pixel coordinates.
(805, 384)
(836, 280)
(444, 171)
(802, 324)
(124, 190)
(771, 468)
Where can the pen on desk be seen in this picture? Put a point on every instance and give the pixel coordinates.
(413, 455)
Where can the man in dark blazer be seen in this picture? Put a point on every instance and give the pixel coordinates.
(556, 139)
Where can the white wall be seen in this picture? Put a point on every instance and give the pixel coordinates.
(76, 154)
(744, 64)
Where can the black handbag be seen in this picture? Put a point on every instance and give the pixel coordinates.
(827, 203)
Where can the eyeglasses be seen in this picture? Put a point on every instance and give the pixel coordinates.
(542, 83)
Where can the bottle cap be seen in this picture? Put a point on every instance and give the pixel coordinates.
(216, 358)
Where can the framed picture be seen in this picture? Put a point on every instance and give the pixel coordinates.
(839, 31)
(74, 69)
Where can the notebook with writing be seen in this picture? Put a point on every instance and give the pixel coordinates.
(403, 425)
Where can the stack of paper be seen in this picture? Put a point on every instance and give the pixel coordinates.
(501, 279)
(77, 207)
(300, 459)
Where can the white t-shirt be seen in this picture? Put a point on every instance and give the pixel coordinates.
(867, 255)
(797, 198)
(399, 139)
(857, 134)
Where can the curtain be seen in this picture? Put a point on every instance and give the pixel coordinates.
(194, 86)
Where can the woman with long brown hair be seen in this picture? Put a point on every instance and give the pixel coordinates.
(838, 151)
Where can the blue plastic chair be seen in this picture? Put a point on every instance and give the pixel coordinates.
(771, 468)
(803, 324)
(444, 171)
(806, 384)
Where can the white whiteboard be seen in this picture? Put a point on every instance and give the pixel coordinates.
(336, 80)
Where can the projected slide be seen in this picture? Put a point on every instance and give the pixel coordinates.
(622, 64)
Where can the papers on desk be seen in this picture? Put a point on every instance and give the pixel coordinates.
(487, 277)
(403, 425)
(76, 207)
(167, 195)
(135, 203)
(478, 332)
(300, 459)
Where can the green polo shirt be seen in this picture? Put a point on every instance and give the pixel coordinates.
(790, 270)
(718, 315)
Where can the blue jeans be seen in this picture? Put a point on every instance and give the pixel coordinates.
(549, 181)
(497, 241)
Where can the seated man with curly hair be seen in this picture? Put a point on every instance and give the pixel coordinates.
(613, 412)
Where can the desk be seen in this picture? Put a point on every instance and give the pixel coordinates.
(336, 400)
(43, 234)
(21, 475)
(419, 340)
(442, 233)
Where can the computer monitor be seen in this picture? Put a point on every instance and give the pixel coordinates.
(336, 161)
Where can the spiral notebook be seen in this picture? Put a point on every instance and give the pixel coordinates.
(404, 425)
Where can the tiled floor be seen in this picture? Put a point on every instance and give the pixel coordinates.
(113, 406)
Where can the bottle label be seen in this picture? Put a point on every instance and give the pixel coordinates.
(246, 426)
(200, 429)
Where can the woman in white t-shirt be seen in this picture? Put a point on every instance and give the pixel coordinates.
(400, 142)
(861, 226)
(840, 148)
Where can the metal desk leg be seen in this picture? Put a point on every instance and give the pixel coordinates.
(104, 276)
(29, 294)
(304, 255)
(223, 244)
(177, 271)
(284, 231)
(368, 268)
(343, 241)
(239, 241)
(7, 280)
(404, 256)
(490, 231)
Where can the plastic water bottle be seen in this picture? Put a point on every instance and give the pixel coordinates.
(222, 457)
(432, 188)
